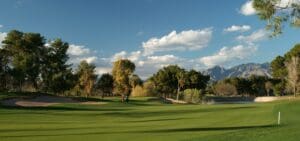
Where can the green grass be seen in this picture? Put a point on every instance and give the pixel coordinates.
(144, 119)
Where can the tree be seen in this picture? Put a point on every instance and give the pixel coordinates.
(105, 84)
(225, 89)
(258, 84)
(268, 87)
(278, 68)
(294, 52)
(166, 80)
(24, 51)
(197, 80)
(276, 13)
(135, 80)
(182, 80)
(122, 70)
(4, 69)
(55, 72)
(293, 73)
(87, 77)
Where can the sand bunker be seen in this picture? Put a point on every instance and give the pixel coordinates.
(44, 101)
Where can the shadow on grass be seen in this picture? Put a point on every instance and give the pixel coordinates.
(62, 108)
(196, 129)
(176, 130)
(154, 120)
(172, 111)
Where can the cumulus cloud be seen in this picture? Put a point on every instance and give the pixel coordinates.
(2, 37)
(78, 53)
(256, 36)
(227, 55)
(247, 9)
(185, 40)
(148, 65)
(133, 56)
(78, 50)
(102, 70)
(236, 28)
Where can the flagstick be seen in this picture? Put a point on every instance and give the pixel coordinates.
(278, 122)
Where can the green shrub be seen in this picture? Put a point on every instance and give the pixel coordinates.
(193, 95)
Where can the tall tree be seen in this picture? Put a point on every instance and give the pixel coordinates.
(197, 80)
(56, 74)
(87, 77)
(4, 69)
(122, 70)
(268, 87)
(105, 84)
(166, 80)
(293, 67)
(278, 12)
(182, 80)
(135, 80)
(25, 55)
(278, 68)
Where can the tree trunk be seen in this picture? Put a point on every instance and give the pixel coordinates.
(294, 91)
(178, 90)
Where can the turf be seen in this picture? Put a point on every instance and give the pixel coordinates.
(145, 119)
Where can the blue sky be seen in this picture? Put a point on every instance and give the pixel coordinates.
(152, 33)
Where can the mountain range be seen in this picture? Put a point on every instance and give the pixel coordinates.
(243, 70)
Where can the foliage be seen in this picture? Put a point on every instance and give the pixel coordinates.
(149, 88)
(225, 89)
(122, 70)
(105, 84)
(86, 77)
(278, 67)
(277, 14)
(25, 53)
(135, 80)
(172, 79)
(192, 95)
(56, 74)
(138, 91)
(293, 67)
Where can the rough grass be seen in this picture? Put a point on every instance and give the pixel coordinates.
(146, 119)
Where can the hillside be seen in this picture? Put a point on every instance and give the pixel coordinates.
(243, 70)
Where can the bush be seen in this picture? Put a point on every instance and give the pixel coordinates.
(192, 95)
(149, 88)
(138, 91)
(225, 89)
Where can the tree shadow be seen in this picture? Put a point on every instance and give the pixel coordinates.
(175, 130)
(63, 108)
(198, 129)
(171, 112)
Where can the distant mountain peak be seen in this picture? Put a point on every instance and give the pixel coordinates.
(242, 70)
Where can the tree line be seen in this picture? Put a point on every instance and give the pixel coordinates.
(30, 63)
(285, 79)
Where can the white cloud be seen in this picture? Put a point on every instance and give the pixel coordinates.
(90, 60)
(1, 25)
(256, 36)
(227, 55)
(148, 65)
(248, 9)
(2, 37)
(77, 50)
(185, 40)
(133, 56)
(102, 70)
(78, 53)
(119, 55)
(235, 28)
